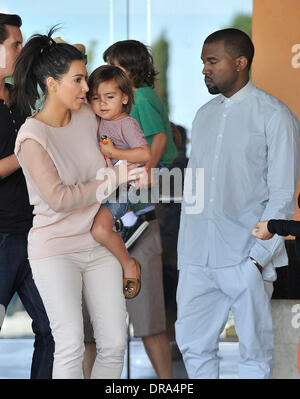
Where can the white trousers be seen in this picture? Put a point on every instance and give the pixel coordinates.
(204, 298)
(61, 281)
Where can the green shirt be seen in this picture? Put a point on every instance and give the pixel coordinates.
(151, 114)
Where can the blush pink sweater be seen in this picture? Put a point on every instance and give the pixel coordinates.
(60, 167)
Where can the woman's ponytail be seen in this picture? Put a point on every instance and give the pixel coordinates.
(40, 58)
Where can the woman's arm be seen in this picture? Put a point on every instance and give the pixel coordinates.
(64, 198)
(59, 196)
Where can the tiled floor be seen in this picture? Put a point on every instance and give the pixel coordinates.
(16, 346)
(15, 360)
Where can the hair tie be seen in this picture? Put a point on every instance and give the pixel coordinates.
(51, 43)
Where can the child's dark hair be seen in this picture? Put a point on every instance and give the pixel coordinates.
(105, 73)
(135, 57)
(39, 59)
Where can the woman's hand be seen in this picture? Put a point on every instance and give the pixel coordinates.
(143, 178)
(126, 172)
(261, 231)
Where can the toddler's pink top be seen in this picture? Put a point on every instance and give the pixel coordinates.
(125, 133)
(60, 166)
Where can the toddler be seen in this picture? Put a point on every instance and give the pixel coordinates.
(111, 97)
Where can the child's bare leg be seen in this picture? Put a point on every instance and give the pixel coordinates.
(102, 231)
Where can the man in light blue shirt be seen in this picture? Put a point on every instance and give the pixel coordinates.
(246, 141)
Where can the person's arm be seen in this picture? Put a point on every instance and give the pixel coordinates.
(284, 227)
(61, 197)
(266, 229)
(8, 162)
(134, 155)
(152, 125)
(8, 165)
(158, 145)
(282, 134)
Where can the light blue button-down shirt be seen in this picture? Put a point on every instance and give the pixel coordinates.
(248, 147)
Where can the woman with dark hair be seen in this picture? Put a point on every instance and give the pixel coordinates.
(65, 170)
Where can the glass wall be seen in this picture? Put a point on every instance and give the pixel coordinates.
(183, 25)
(98, 23)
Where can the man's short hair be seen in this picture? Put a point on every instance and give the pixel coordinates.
(236, 43)
(8, 19)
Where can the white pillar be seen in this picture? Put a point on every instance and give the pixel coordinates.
(149, 22)
(127, 19)
(111, 21)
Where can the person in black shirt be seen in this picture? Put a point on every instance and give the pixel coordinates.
(15, 210)
(267, 228)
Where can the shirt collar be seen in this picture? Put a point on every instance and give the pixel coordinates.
(239, 96)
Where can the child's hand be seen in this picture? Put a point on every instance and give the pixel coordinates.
(261, 231)
(107, 147)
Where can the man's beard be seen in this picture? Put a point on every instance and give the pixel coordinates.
(213, 90)
(222, 88)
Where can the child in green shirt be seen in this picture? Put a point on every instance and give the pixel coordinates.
(135, 60)
(147, 314)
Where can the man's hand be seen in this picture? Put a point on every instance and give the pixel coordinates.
(261, 231)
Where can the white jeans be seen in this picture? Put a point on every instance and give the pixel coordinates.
(204, 297)
(60, 281)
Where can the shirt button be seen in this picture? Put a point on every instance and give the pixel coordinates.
(216, 157)
(211, 200)
(213, 178)
(225, 115)
(14, 121)
(16, 130)
(220, 135)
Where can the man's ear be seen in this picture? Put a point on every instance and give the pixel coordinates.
(241, 63)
